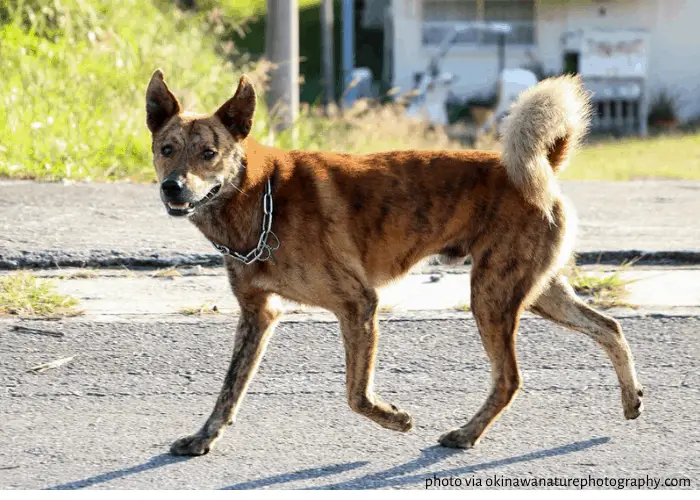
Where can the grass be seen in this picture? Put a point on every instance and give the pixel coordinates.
(202, 310)
(604, 291)
(168, 273)
(23, 294)
(366, 128)
(386, 308)
(671, 156)
(667, 157)
(74, 76)
(83, 274)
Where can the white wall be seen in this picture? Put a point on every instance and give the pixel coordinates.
(476, 67)
(675, 53)
(674, 46)
(674, 58)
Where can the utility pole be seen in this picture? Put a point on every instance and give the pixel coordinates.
(348, 49)
(327, 48)
(282, 49)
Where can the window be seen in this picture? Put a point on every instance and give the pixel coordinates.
(441, 16)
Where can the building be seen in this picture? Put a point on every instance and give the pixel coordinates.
(541, 35)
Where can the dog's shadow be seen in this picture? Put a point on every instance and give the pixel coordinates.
(167, 459)
(153, 463)
(400, 475)
(430, 456)
(300, 475)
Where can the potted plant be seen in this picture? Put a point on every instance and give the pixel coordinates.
(663, 112)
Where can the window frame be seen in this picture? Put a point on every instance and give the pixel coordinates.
(477, 40)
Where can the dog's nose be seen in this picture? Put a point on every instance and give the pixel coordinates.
(172, 187)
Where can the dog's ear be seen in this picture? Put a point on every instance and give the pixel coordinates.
(237, 113)
(161, 104)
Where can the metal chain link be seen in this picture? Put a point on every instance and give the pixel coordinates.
(262, 252)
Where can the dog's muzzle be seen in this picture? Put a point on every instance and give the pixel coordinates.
(178, 198)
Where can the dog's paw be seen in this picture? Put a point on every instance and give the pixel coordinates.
(632, 403)
(192, 446)
(458, 438)
(400, 420)
(403, 421)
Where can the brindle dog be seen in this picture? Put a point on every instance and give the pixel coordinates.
(343, 225)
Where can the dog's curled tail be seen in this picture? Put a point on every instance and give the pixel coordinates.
(544, 127)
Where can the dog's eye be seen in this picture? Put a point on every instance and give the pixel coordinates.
(167, 150)
(208, 154)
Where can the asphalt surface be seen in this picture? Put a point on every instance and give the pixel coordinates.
(45, 225)
(106, 419)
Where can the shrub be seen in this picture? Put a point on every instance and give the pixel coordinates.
(663, 109)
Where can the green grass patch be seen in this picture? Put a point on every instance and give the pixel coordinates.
(204, 309)
(74, 78)
(665, 157)
(83, 274)
(602, 290)
(167, 273)
(23, 294)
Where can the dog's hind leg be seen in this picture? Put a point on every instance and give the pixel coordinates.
(560, 304)
(358, 325)
(496, 304)
(255, 325)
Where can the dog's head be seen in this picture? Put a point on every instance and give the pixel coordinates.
(197, 157)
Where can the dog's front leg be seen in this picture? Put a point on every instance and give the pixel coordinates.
(358, 325)
(256, 324)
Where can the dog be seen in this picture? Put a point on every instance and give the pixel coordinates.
(327, 229)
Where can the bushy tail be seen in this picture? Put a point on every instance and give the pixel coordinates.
(544, 126)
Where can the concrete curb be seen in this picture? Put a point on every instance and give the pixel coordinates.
(51, 259)
(618, 257)
(226, 318)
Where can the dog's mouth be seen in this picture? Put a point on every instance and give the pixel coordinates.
(187, 209)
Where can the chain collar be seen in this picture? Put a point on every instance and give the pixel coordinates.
(263, 251)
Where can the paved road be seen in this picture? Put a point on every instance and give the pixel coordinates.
(106, 419)
(114, 224)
